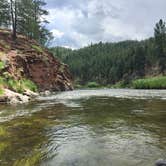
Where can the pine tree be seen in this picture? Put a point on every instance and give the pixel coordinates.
(25, 17)
(4, 13)
(26, 21)
(160, 40)
(14, 17)
(40, 32)
(32, 22)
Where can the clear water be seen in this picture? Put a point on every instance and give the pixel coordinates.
(85, 128)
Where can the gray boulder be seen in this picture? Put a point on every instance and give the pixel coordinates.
(160, 162)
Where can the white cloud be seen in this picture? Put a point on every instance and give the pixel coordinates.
(78, 23)
(56, 33)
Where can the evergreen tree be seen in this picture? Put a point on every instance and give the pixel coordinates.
(139, 61)
(14, 17)
(26, 17)
(4, 13)
(39, 31)
(160, 40)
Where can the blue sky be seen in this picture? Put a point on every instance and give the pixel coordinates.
(77, 23)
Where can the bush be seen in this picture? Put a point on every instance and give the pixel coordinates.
(2, 65)
(120, 84)
(92, 85)
(150, 83)
(78, 86)
(37, 48)
(21, 85)
(29, 84)
(1, 92)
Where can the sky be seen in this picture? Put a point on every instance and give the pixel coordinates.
(78, 23)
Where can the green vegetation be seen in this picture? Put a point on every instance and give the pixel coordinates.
(3, 147)
(120, 84)
(118, 63)
(2, 65)
(29, 161)
(1, 92)
(92, 85)
(60, 52)
(26, 17)
(109, 63)
(3, 131)
(21, 85)
(4, 44)
(150, 83)
(37, 48)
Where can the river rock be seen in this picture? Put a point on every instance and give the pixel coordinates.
(13, 97)
(160, 162)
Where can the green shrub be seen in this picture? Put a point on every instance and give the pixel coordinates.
(37, 48)
(1, 92)
(4, 44)
(3, 131)
(92, 85)
(120, 84)
(2, 65)
(78, 86)
(1, 80)
(29, 85)
(150, 83)
(21, 85)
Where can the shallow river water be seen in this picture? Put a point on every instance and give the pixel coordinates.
(108, 127)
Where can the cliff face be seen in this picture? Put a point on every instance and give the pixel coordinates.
(25, 58)
(44, 70)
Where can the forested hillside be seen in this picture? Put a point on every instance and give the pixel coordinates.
(109, 63)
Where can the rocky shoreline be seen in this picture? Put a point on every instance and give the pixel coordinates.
(10, 97)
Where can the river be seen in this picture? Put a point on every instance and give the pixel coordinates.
(106, 127)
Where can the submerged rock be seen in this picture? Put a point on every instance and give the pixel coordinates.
(160, 162)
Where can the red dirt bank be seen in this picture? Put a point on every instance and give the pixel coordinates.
(27, 59)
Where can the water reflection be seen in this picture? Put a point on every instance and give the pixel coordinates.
(95, 130)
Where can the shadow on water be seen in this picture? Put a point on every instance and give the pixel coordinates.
(89, 130)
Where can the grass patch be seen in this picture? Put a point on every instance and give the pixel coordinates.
(120, 84)
(31, 161)
(150, 83)
(29, 84)
(37, 48)
(92, 85)
(2, 65)
(3, 131)
(3, 146)
(19, 86)
(1, 92)
(78, 86)
(4, 45)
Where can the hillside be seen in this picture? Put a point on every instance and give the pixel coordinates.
(25, 65)
(112, 63)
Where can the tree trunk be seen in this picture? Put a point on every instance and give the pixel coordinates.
(13, 18)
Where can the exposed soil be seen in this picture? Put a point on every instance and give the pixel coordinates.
(25, 58)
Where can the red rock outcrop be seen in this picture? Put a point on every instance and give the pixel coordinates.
(27, 59)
